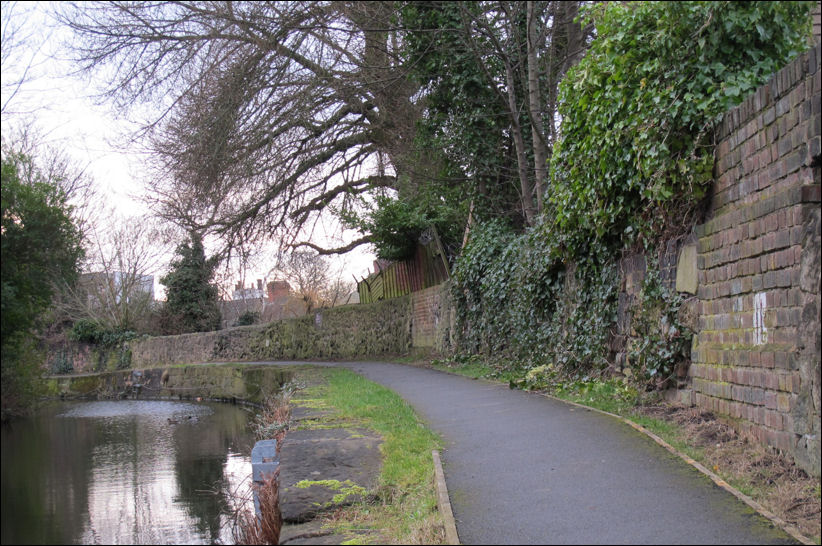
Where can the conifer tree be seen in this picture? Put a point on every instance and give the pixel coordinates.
(191, 304)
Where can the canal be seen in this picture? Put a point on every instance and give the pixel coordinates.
(135, 472)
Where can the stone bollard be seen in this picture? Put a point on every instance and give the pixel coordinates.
(263, 463)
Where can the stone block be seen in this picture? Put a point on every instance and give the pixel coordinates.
(687, 279)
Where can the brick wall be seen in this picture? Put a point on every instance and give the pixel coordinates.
(756, 354)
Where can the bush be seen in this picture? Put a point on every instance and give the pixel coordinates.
(248, 318)
(86, 331)
(91, 331)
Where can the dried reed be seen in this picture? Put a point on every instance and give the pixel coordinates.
(266, 528)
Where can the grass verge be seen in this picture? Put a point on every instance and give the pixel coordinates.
(403, 508)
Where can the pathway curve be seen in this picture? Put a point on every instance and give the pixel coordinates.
(526, 469)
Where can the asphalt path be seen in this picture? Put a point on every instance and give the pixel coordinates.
(526, 469)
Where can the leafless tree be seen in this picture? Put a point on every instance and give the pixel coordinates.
(19, 46)
(313, 279)
(117, 287)
(272, 111)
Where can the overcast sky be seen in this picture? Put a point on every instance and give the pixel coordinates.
(64, 110)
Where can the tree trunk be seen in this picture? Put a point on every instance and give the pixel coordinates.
(535, 107)
(526, 187)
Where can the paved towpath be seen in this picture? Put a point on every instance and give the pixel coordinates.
(525, 469)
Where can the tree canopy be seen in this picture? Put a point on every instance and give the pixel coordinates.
(272, 113)
(41, 252)
(274, 110)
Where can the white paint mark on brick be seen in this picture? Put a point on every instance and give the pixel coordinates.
(760, 332)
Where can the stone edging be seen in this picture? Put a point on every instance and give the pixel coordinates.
(443, 501)
(779, 522)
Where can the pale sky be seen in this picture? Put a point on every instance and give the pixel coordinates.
(63, 109)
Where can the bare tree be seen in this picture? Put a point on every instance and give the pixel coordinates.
(313, 279)
(117, 289)
(272, 111)
(19, 46)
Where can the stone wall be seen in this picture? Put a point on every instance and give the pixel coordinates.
(754, 267)
(422, 320)
(251, 384)
(756, 354)
(73, 357)
(432, 318)
(353, 331)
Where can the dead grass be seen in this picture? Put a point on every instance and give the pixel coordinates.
(768, 476)
(271, 422)
(265, 529)
(275, 416)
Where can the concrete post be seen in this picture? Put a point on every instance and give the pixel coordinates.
(263, 463)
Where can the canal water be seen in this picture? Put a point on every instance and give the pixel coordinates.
(124, 472)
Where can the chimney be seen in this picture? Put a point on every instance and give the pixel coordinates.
(277, 289)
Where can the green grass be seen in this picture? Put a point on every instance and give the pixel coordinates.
(405, 508)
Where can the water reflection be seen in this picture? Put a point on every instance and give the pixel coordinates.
(137, 472)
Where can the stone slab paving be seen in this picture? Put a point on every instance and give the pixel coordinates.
(320, 457)
(335, 460)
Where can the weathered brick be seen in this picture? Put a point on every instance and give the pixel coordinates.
(773, 419)
(783, 402)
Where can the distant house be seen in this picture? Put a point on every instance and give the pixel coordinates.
(275, 302)
(250, 293)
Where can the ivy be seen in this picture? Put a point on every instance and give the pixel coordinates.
(633, 159)
(191, 304)
(517, 302)
(90, 331)
(662, 341)
(638, 111)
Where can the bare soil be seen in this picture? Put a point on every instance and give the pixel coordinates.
(763, 473)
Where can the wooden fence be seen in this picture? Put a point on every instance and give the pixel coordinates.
(429, 267)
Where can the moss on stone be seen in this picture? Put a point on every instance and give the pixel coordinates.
(85, 385)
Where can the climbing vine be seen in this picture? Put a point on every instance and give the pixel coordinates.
(636, 151)
(661, 342)
(516, 300)
(112, 347)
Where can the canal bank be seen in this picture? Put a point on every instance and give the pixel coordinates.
(355, 464)
(220, 382)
